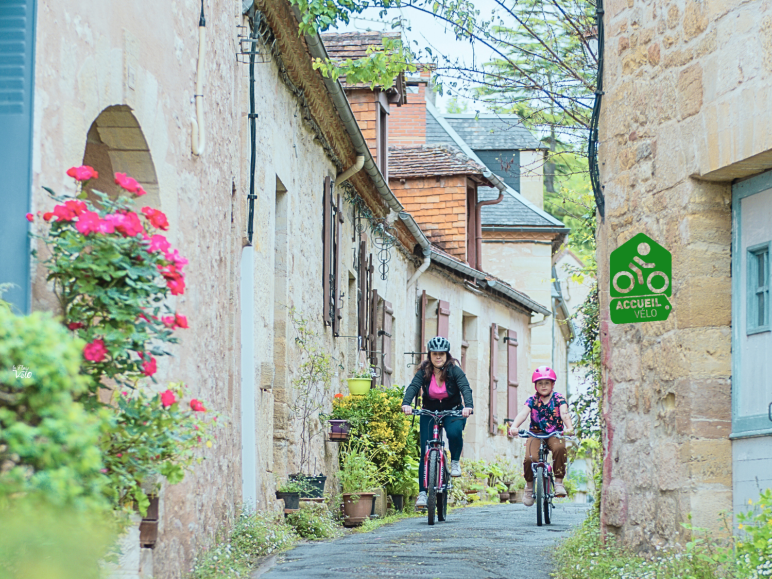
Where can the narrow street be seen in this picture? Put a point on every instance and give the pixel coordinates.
(495, 542)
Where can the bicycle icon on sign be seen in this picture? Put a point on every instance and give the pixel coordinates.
(643, 250)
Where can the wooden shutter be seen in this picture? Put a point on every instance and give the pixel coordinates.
(493, 379)
(17, 73)
(511, 374)
(387, 367)
(337, 311)
(326, 249)
(372, 331)
(362, 295)
(443, 319)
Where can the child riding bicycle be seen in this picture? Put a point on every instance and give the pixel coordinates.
(442, 382)
(548, 411)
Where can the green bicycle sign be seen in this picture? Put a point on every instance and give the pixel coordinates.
(641, 273)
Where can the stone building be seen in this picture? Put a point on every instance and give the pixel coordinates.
(283, 207)
(684, 158)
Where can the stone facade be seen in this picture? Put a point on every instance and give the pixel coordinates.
(685, 112)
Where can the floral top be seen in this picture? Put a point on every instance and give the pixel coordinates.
(545, 418)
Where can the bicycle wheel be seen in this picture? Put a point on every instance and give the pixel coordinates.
(548, 489)
(539, 494)
(431, 490)
(442, 498)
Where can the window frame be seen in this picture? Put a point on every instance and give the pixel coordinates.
(752, 274)
(745, 426)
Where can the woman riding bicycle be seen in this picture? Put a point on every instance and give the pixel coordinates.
(442, 384)
(549, 413)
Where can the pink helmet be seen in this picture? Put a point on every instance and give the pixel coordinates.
(544, 373)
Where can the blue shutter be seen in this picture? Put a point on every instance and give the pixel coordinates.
(17, 55)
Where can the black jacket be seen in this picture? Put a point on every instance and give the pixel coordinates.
(456, 384)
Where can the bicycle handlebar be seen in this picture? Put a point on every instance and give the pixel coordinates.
(437, 413)
(559, 434)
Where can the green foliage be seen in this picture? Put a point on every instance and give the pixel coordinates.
(359, 473)
(584, 555)
(254, 535)
(49, 444)
(298, 485)
(379, 426)
(310, 384)
(112, 287)
(754, 550)
(39, 540)
(314, 521)
(147, 439)
(456, 107)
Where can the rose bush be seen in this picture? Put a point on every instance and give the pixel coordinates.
(112, 271)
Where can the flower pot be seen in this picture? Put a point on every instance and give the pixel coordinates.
(359, 386)
(503, 497)
(291, 500)
(517, 496)
(317, 485)
(339, 430)
(357, 508)
(471, 492)
(398, 501)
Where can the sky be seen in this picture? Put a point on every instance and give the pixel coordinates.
(426, 30)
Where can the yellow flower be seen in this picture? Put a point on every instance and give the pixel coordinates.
(209, 444)
(739, 526)
(750, 502)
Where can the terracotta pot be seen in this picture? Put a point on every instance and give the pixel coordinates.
(357, 508)
(503, 497)
(359, 386)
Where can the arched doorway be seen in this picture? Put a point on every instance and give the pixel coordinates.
(115, 144)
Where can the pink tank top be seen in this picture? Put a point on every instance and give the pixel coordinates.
(436, 391)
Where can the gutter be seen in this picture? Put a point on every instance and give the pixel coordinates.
(317, 50)
(515, 296)
(508, 228)
(413, 228)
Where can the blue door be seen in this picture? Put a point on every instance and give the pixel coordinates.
(17, 65)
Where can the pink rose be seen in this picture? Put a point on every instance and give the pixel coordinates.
(159, 243)
(77, 206)
(104, 470)
(88, 222)
(119, 455)
(95, 351)
(140, 191)
(82, 173)
(30, 217)
(176, 259)
(182, 321)
(63, 213)
(47, 216)
(169, 322)
(168, 398)
(126, 182)
(197, 406)
(157, 218)
(75, 325)
(126, 223)
(149, 365)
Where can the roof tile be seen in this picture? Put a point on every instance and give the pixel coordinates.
(430, 161)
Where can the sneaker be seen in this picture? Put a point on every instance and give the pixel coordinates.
(421, 500)
(455, 468)
(560, 490)
(528, 498)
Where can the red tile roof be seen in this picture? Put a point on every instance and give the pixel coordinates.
(430, 161)
(354, 45)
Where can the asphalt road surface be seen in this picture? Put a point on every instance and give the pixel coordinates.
(489, 542)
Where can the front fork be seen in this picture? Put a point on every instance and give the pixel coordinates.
(547, 467)
(441, 473)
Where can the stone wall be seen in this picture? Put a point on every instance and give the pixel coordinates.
(684, 105)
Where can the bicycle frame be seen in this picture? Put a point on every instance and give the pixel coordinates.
(545, 486)
(436, 441)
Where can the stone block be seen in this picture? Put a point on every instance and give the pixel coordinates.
(654, 54)
(690, 90)
(695, 19)
(704, 302)
(670, 471)
(667, 518)
(710, 462)
(614, 511)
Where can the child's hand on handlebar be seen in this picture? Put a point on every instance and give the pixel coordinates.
(407, 409)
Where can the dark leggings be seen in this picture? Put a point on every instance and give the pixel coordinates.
(454, 431)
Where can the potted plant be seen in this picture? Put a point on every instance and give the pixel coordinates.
(516, 490)
(310, 487)
(289, 491)
(360, 382)
(359, 478)
(404, 483)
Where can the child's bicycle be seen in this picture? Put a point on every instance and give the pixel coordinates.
(544, 487)
(436, 472)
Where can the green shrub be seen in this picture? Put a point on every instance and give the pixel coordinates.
(754, 549)
(254, 535)
(49, 444)
(314, 521)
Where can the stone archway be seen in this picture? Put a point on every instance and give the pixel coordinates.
(115, 144)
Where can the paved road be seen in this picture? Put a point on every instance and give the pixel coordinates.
(495, 542)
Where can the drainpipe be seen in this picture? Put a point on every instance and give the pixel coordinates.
(413, 228)
(355, 168)
(197, 134)
(478, 225)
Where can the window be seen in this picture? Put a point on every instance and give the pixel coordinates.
(758, 289)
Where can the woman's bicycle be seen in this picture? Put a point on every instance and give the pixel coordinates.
(544, 487)
(436, 472)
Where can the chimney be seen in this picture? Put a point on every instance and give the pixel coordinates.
(407, 124)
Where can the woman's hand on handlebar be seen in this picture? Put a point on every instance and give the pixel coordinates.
(466, 412)
(407, 409)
